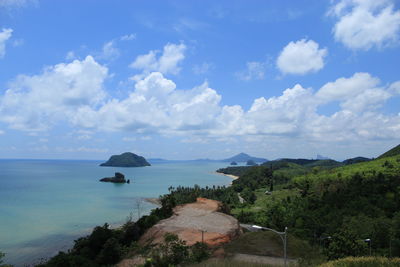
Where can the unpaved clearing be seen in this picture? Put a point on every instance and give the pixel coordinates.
(196, 222)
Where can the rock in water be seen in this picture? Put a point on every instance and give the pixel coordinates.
(126, 159)
(118, 178)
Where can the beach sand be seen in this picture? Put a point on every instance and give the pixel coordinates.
(234, 177)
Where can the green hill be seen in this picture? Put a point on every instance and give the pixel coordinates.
(392, 152)
(126, 159)
(386, 166)
(243, 157)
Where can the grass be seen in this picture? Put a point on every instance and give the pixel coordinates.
(269, 244)
(363, 262)
(228, 263)
(387, 166)
(264, 201)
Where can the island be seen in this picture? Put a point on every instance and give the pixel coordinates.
(251, 162)
(118, 178)
(233, 163)
(126, 159)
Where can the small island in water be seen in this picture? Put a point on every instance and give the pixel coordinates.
(118, 178)
(126, 159)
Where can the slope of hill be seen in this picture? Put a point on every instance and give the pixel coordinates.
(126, 159)
(355, 160)
(243, 157)
(392, 152)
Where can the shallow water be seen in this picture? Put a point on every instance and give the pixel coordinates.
(46, 204)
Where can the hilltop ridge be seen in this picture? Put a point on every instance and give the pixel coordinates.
(243, 157)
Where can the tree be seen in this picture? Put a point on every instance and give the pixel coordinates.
(345, 243)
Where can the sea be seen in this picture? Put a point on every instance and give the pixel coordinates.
(46, 204)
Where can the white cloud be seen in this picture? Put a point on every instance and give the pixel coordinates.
(167, 63)
(2, 132)
(18, 42)
(301, 57)
(202, 68)
(73, 93)
(254, 71)
(154, 105)
(82, 149)
(70, 56)
(36, 102)
(356, 93)
(128, 37)
(363, 24)
(15, 3)
(5, 34)
(109, 51)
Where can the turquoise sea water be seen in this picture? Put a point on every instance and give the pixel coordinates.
(46, 204)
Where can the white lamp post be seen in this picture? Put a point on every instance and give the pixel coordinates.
(283, 236)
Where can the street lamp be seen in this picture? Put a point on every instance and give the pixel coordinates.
(283, 236)
(369, 241)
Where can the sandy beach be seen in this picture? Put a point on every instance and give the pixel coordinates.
(234, 177)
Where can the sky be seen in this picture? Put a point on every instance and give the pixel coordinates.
(199, 79)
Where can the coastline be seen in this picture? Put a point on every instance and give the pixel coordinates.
(233, 177)
(153, 200)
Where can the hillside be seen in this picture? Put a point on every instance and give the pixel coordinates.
(355, 160)
(243, 157)
(392, 152)
(126, 159)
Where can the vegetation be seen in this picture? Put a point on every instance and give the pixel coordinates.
(330, 210)
(392, 152)
(174, 252)
(126, 159)
(363, 262)
(1, 260)
(228, 263)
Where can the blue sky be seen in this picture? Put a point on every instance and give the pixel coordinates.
(199, 79)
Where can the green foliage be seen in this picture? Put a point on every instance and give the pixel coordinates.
(392, 152)
(345, 243)
(199, 252)
(363, 262)
(174, 252)
(110, 253)
(2, 255)
(182, 195)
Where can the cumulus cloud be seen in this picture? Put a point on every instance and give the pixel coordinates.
(73, 93)
(363, 24)
(166, 63)
(301, 57)
(357, 93)
(5, 34)
(154, 105)
(109, 51)
(128, 37)
(254, 71)
(35, 102)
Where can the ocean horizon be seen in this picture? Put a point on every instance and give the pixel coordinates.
(46, 204)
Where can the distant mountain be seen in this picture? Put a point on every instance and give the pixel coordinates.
(392, 152)
(243, 157)
(355, 160)
(126, 159)
(320, 157)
